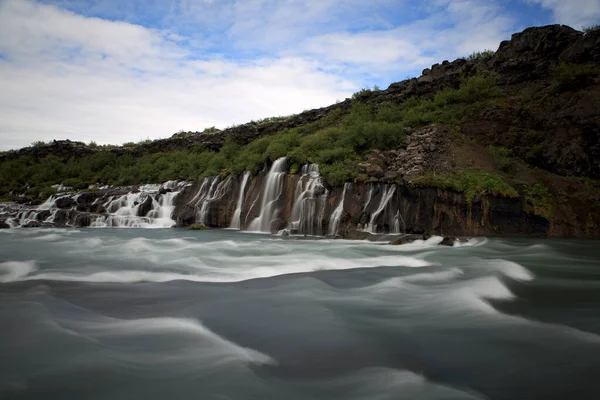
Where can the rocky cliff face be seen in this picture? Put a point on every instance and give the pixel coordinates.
(298, 204)
(554, 139)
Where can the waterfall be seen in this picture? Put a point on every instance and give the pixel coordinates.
(205, 201)
(236, 220)
(216, 191)
(387, 194)
(336, 215)
(309, 203)
(271, 192)
(144, 209)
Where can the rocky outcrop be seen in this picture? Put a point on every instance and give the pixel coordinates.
(379, 207)
(422, 154)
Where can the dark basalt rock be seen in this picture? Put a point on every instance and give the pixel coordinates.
(65, 202)
(145, 207)
(448, 241)
(3, 224)
(32, 224)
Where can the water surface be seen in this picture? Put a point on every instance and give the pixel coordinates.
(155, 314)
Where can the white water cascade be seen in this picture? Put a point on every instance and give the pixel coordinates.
(309, 203)
(336, 215)
(236, 219)
(216, 191)
(387, 194)
(125, 210)
(271, 192)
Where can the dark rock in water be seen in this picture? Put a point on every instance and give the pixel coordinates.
(145, 207)
(87, 198)
(97, 208)
(356, 235)
(3, 224)
(448, 241)
(164, 190)
(405, 239)
(278, 225)
(65, 202)
(285, 232)
(187, 216)
(42, 215)
(61, 217)
(83, 220)
(32, 224)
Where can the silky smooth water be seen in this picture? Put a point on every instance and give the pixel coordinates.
(176, 314)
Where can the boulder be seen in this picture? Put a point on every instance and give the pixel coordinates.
(3, 224)
(145, 207)
(32, 224)
(65, 202)
(448, 241)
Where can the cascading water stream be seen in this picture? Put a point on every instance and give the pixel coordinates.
(336, 215)
(236, 219)
(144, 209)
(270, 194)
(216, 191)
(309, 204)
(387, 194)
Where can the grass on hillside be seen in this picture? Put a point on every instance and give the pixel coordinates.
(336, 142)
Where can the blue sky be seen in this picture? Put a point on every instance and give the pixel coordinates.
(114, 71)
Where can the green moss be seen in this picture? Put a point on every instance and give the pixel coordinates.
(197, 227)
(469, 182)
(567, 77)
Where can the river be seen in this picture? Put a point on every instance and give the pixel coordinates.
(219, 314)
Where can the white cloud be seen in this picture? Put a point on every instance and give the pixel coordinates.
(575, 13)
(65, 75)
(90, 79)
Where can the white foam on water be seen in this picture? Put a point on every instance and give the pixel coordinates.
(472, 242)
(50, 237)
(227, 269)
(440, 276)
(510, 269)
(387, 383)
(209, 345)
(11, 271)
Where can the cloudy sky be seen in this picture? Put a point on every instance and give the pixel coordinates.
(114, 71)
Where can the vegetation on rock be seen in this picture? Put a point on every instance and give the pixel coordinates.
(197, 227)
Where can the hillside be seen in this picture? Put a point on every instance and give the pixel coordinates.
(520, 126)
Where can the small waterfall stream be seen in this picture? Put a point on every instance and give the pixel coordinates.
(236, 219)
(151, 207)
(216, 191)
(309, 203)
(271, 192)
(336, 215)
(387, 194)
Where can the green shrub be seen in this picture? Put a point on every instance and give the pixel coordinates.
(566, 76)
(502, 158)
(469, 182)
(538, 190)
(481, 55)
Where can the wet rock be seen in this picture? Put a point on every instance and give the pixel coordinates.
(3, 224)
(32, 224)
(82, 220)
(448, 241)
(278, 225)
(145, 207)
(355, 235)
(65, 202)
